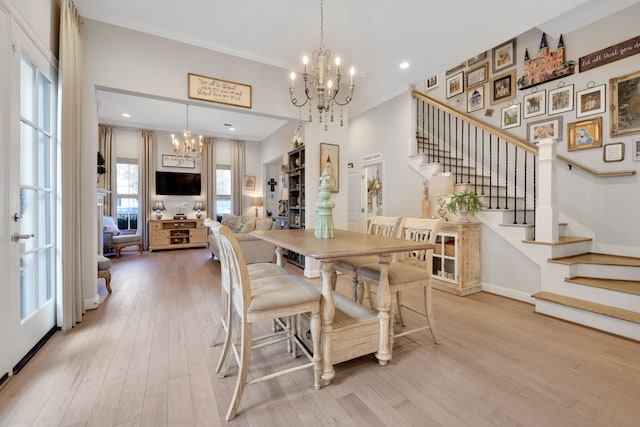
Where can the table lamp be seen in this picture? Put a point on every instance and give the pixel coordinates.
(158, 208)
(198, 207)
(257, 202)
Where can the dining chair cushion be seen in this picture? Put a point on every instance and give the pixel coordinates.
(352, 263)
(399, 272)
(260, 270)
(272, 292)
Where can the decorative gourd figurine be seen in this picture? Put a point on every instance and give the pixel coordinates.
(324, 210)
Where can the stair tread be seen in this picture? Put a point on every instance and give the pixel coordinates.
(596, 258)
(626, 286)
(606, 310)
(563, 240)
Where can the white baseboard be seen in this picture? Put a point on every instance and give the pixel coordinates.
(508, 293)
(92, 303)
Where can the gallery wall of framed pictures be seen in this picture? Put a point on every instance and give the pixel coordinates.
(567, 106)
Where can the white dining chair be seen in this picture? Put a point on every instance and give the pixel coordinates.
(412, 269)
(252, 301)
(380, 226)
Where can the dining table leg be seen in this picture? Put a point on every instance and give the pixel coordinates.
(384, 307)
(327, 312)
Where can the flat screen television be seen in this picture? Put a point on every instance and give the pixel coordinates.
(178, 184)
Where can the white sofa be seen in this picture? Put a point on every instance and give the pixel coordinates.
(255, 249)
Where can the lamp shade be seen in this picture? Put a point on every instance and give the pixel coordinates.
(158, 206)
(256, 201)
(198, 206)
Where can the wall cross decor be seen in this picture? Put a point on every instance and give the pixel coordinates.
(272, 182)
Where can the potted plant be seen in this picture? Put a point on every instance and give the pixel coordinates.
(269, 213)
(101, 168)
(466, 202)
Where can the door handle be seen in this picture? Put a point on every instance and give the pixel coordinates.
(17, 236)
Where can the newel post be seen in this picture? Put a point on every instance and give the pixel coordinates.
(547, 226)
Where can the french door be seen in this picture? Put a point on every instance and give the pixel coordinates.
(32, 204)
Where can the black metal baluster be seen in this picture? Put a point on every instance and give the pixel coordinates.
(515, 190)
(506, 174)
(490, 170)
(498, 175)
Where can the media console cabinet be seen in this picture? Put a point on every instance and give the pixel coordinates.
(177, 234)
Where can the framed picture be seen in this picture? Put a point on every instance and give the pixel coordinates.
(431, 83)
(613, 152)
(625, 104)
(503, 56)
(330, 161)
(171, 161)
(503, 87)
(548, 128)
(249, 182)
(534, 104)
(475, 99)
(635, 146)
(590, 101)
(510, 117)
(585, 134)
(561, 100)
(477, 76)
(476, 59)
(454, 69)
(455, 84)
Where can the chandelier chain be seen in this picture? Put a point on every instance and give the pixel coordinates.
(322, 24)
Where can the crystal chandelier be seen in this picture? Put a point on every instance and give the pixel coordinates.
(319, 83)
(187, 147)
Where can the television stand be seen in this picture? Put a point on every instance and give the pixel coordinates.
(177, 234)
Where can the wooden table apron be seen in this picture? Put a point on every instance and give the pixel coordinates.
(344, 243)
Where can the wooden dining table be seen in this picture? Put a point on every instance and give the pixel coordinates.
(345, 244)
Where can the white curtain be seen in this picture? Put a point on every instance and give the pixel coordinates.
(237, 176)
(147, 185)
(70, 305)
(105, 146)
(209, 176)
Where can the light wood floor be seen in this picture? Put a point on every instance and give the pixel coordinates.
(143, 358)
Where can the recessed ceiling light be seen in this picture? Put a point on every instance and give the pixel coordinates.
(404, 65)
(126, 115)
(232, 129)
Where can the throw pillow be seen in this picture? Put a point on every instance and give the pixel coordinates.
(264, 224)
(249, 226)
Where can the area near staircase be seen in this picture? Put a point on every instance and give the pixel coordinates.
(516, 181)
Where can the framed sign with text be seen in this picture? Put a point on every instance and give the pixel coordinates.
(220, 91)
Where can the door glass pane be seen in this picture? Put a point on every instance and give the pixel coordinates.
(44, 104)
(28, 302)
(44, 160)
(28, 213)
(45, 234)
(27, 155)
(44, 269)
(27, 91)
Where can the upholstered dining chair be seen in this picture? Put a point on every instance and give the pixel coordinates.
(255, 270)
(267, 298)
(411, 269)
(380, 226)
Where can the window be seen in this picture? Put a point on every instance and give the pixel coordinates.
(127, 193)
(223, 190)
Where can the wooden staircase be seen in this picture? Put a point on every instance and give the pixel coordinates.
(600, 290)
(597, 290)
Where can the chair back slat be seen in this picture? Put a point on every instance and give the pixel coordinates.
(419, 230)
(387, 226)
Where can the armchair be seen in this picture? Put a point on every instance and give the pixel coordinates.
(114, 239)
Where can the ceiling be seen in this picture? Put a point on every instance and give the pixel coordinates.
(374, 36)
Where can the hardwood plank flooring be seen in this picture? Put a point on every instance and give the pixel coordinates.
(143, 358)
